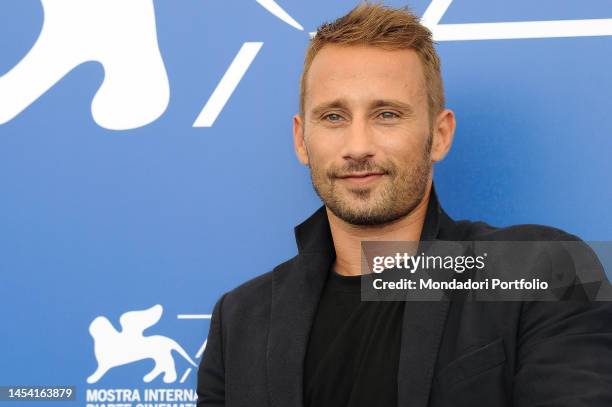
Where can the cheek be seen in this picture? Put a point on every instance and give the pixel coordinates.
(403, 145)
(322, 150)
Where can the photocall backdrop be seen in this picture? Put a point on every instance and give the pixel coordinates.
(146, 161)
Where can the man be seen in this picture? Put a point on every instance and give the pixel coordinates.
(371, 124)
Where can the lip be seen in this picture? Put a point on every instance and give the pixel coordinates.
(362, 178)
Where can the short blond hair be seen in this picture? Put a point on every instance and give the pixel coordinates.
(387, 28)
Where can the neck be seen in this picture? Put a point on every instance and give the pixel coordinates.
(347, 238)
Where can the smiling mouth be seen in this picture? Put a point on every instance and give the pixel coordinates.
(362, 178)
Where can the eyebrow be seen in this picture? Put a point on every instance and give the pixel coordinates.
(396, 104)
(342, 104)
(334, 104)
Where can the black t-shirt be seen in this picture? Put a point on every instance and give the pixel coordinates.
(353, 350)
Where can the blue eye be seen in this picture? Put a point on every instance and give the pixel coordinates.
(389, 115)
(334, 117)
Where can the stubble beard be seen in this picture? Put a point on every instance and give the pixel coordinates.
(400, 194)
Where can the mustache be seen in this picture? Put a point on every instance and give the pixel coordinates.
(360, 167)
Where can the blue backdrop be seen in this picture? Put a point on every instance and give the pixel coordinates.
(96, 221)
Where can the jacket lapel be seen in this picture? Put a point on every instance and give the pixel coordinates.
(296, 288)
(421, 333)
(422, 328)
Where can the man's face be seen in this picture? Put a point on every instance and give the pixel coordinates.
(366, 134)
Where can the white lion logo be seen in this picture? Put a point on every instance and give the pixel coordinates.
(120, 35)
(114, 348)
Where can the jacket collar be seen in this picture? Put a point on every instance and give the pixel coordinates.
(296, 289)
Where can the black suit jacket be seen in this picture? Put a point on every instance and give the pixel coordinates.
(452, 353)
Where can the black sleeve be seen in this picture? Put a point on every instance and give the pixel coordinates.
(211, 373)
(565, 353)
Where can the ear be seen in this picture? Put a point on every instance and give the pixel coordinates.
(298, 140)
(443, 132)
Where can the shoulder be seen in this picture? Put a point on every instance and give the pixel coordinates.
(558, 257)
(478, 230)
(252, 297)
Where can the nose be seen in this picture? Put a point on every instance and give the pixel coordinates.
(358, 141)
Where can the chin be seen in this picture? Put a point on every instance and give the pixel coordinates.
(360, 214)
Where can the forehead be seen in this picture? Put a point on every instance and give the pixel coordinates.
(365, 73)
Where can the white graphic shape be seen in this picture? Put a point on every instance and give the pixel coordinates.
(527, 29)
(228, 84)
(435, 12)
(185, 375)
(200, 351)
(113, 348)
(509, 30)
(121, 35)
(194, 316)
(277, 10)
